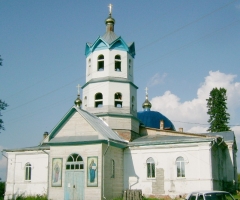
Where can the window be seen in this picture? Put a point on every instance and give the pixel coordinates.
(89, 66)
(180, 167)
(193, 197)
(129, 65)
(132, 102)
(98, 100)
(150, 168)
(85, 99)
(28, 171)
(100, 63)
(113, 168)
(74, 162)
(118, 100)
(118, 63)
(200, 197)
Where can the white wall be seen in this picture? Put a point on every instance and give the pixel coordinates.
(197, 169)
(16, 183)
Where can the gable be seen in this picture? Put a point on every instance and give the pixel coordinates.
(100, 45)
(76, 125)
(119, 45)
(81, 126)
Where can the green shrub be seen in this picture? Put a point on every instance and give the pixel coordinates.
(37, 197)
(2, 190)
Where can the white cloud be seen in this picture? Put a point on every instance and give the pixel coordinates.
(156, 79)
(194, 111)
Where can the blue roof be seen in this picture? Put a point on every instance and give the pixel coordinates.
(110, 41)
(152, 119)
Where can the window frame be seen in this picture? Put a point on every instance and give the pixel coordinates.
(98, 101)
(112, 168)
(180, 167)
(76, 162)
(151, 168)
(28, 172)
(118, 63)
(100, 63)
(118, 100)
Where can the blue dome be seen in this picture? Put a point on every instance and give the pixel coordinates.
(152, 119)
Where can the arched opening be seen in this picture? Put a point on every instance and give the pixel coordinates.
(74, 162)
(89, 66)
(132, 102)
(118, 100)
(150, 168)
(98, 100)
(180, 167)
(100, 63)
(113, 168)
(28, 171)
(129, 66)
(118, 63)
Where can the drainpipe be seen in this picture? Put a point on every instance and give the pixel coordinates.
(7, 170)
(103, 167)
(210, 161)
(47, 172)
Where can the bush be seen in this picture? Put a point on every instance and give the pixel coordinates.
(37, 197)
(2, 190)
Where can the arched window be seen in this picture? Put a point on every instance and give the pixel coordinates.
(118, 63)
(74, 162)
(113, 168)
(180, 167)
(100, 63)
(98, 100)
(129, 66)
(118, 100)
(85, 100)
(89, 66)
(28, 171)
(132, 102)
(150, 168)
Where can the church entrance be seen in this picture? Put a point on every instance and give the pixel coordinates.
(74, 178)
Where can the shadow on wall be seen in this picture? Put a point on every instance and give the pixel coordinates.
(131, 178)
(223, 171)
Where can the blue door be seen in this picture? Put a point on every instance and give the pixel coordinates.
(74, 185)
(74, 178)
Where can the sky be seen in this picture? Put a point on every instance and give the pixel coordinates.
(184, 48)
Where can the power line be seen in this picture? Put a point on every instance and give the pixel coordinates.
(151, 43)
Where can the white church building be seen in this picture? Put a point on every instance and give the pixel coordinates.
(103, 146)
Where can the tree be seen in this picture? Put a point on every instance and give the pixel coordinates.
(217, 110)
(3, 105)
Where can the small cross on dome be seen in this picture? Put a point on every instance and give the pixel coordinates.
(110, 8)
(78, 87)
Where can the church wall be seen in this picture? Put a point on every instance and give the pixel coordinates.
(85, 151)
(113, 175)
(16, 184)
(197, 169)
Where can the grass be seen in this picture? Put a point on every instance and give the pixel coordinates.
(36, 197)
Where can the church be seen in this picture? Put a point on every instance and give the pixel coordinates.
(103, 146)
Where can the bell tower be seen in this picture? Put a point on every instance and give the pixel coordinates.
(109, 91)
